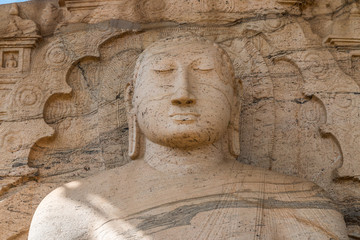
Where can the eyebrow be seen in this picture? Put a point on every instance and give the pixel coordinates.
(164, 52)
(202, 60)
(158, 58)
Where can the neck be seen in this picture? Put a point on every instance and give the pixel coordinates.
(184, 161)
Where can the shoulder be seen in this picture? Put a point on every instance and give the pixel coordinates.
(69, 211)
(279, 185)
(294, 203)
(268, 176)
(57, 216)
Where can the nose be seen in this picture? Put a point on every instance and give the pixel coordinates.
(182, 95)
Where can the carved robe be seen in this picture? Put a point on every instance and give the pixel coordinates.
(138, 202)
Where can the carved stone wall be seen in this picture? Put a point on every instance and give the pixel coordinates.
(64, 66)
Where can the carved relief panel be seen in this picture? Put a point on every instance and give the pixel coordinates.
(343, 102)
(18, 97)
(10, 58)
(15, 61)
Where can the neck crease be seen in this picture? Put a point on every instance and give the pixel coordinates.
(184, 161)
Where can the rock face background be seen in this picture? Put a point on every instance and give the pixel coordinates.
(64, 66)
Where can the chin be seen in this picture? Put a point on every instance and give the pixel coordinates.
(187, 138)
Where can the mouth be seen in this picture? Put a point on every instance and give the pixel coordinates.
(184, 118)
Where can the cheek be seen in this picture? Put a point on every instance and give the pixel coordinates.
(218, 115)
(214, 103)
(151, 115)
(149, 94)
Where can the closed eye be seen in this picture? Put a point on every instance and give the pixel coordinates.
(203, 69)
(202, 65)
(170, 70)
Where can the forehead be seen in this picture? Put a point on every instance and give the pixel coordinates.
(181, 50)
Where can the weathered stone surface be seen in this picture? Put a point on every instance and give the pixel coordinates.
(62, 108)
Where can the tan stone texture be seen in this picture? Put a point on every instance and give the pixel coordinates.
(64, 67)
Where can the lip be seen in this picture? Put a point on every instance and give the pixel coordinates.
(184, 117)
(185, 114)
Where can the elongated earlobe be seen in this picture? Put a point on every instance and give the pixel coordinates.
(234, 131)
(134, 133)
(234, 139)
(134, 139)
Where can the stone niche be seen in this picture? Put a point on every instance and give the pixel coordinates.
(64, 69)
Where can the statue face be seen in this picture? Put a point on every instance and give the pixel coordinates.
(182, 99)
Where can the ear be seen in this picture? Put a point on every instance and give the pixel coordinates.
(234, 131)
(134, 134)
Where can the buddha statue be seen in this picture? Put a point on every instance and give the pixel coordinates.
(185, 183)
(11, 63)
